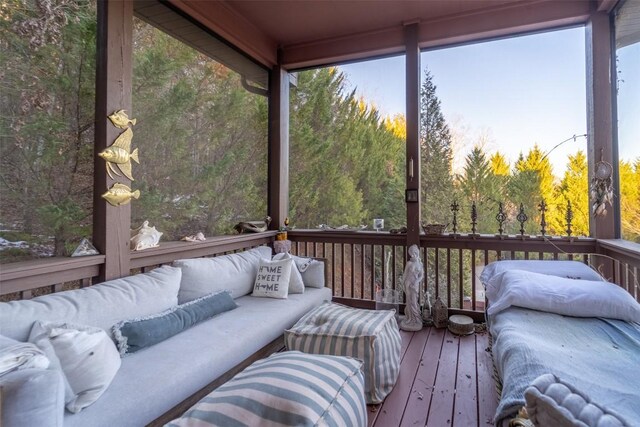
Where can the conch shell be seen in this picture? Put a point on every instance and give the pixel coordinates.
(145, 238)
(195, 237)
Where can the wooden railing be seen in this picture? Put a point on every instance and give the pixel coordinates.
(23, 280)
(361, 262)
(620, 260)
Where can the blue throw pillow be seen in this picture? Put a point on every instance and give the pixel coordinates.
(136, 334)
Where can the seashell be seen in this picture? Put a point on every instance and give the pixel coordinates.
(145, 238)
(85, 248)
(194, 237)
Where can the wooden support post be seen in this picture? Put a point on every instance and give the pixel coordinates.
(412, 83)
(111, 224)
(278, 203)
(600, 113)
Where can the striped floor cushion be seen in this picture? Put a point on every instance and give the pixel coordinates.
(369, 335)
(286, 389)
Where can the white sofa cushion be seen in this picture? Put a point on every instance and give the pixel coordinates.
(235, 273)
(87, 357)
(100, 305)
(174, 369)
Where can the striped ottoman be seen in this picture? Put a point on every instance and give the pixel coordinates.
(369, 335)
(286, 389)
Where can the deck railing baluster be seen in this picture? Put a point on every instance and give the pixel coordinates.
(342, 270)
(449, 277)
(461, 278)
(333, 268)
(436, 267)
(373, 272)
(393, 267)
(362, 278)
(353, 270)
(383, 270)
(473, 279)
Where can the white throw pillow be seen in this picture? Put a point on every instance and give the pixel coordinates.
(296, 284)
(569, 297)
(311, 270)
(89, 360)
(272, 280)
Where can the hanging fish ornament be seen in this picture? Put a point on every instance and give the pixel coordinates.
(121, 120)
(120, 194)
(119, 153)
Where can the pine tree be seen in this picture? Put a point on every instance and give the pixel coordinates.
(479, 184)
(499, 164)
(573, 188)
(435, 142)
(532, 181)
(630, 200)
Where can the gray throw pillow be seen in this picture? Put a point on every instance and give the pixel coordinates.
(136, 334)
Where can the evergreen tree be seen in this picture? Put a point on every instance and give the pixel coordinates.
(479, 184)
(630, 200)
(499, 164)
(46, 126)
(532, 181)
(347, 163)
(204, 136)
(573, 188)
(435, 141)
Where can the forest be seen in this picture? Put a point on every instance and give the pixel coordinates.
(203, 147)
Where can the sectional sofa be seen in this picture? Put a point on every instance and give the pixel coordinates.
(153, 384)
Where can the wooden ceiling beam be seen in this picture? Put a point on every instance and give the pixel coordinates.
(606, 5)
(232, 27)
(497, 22)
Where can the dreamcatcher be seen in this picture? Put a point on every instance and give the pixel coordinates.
(601, 187)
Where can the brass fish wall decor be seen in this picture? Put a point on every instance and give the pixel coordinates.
(121, 120)
(119, 153)
(119, 194)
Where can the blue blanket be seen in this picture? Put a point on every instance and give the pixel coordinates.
(600, 357)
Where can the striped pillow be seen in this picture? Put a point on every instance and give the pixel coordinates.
(369, 335)
(289, 388)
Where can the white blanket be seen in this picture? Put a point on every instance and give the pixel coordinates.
(599, 356)
(16, 355)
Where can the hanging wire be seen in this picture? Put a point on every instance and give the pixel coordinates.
(574, 138)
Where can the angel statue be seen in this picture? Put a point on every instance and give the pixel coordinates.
(413, 276)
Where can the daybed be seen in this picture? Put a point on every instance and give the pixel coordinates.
(561, 318)
(152, 381)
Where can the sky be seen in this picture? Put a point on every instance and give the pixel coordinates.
(509, 94)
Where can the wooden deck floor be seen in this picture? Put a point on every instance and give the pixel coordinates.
(444, 380)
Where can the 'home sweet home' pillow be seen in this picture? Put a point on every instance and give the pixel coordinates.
(272, 280)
